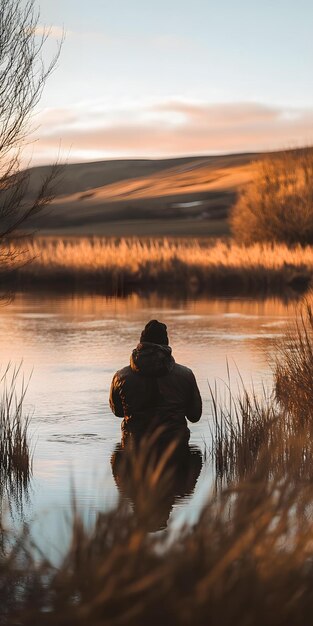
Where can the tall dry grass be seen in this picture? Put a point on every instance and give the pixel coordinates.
(243, 428)
(253, 437)
(115, 265)
(248, 559)
(278, 205)
(294, 367)
(15, 447)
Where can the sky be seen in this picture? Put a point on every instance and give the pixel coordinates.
(139, 78)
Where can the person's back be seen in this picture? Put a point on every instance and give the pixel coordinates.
(153, 390)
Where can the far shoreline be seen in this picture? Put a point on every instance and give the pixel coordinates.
(190, 266)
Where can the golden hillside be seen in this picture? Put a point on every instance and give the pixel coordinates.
(189, 196)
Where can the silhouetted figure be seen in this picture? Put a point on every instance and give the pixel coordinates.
(154, 476)
(155, 391)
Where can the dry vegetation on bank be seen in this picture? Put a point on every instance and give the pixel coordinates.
(277, 206)
(294, 371)
(15, 451)
(15, 446)
(114, 265)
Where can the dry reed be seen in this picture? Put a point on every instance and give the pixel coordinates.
(15, 451)
(294, 367)
(115, 265)
(243, 428)
(248, 559)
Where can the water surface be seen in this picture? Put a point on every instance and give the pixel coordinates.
(71, 345)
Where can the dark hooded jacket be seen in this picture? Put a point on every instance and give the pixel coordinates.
(155, 391)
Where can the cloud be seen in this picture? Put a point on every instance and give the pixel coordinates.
(56, 32)
(221, 114)
(167, 42)
(170, 128)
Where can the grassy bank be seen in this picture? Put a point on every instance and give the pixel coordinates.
(198, 265)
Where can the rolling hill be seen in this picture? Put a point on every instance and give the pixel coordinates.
(186, 196)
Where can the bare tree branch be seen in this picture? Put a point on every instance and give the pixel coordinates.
(22, 78)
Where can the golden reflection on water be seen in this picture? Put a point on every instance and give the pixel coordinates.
(103, 330)
(85, 304)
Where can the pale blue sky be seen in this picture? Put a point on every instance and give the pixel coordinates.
(125, 63)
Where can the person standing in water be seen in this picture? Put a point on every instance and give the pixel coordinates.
(154, 391)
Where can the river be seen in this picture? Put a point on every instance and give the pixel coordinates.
(71, 345)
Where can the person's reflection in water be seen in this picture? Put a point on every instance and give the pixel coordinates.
(155, 474)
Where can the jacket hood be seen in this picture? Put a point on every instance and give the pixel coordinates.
(152, 359)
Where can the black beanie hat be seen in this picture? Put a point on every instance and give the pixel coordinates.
(154, 332)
